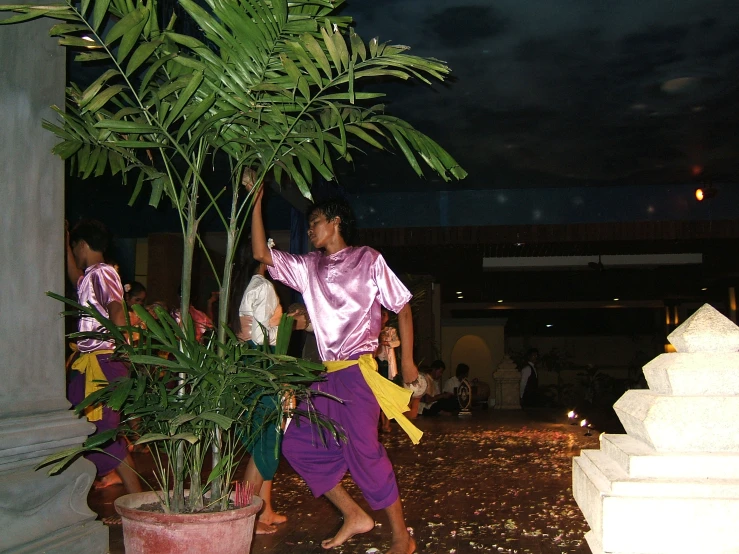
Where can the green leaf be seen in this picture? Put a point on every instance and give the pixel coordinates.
(195, 81)
(102, 98)
(315, 49)
(130, 21)
(141, 54)
(137, 189)
(133, 35)
(340, 45)
(220, 420)
(306, 62)
(91, 56)
(125, 126)
(66, 28)
(332, 50)
(194, 116)
(66, 149)
(119, 396)
(358, 47)
(361, 133)
(79, 42)
(23, 17)
(99, 10)
(96, 85)
(184, 40)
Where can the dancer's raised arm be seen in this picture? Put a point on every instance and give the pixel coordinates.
(259, 248)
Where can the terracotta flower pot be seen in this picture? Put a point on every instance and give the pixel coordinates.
(145, 532)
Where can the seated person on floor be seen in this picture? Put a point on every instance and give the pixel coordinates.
(434, 401)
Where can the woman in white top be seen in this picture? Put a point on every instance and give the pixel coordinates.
(258, 312)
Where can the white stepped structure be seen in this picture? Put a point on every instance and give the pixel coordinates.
(671, 484)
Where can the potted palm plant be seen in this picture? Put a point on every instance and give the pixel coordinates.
(267, 86)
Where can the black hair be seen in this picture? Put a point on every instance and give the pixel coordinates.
(531, 351)
(336, 207)
(438, 364)
(463, 370)
(134, 288)
(244, 268)
(94, 233)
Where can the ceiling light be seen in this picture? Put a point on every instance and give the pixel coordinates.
(615, 299)
(704, 288)
(500, 301)
(705, 193)
(550, 325)
(459, 292)
(460, 297)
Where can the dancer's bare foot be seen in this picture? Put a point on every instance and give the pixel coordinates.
(272, 518)
(362, 523)
(265, 529)
(403, 545)
(107, 480)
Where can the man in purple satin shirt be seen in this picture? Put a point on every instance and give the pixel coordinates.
(344, 288)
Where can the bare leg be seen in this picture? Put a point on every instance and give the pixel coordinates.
(385, 423)
(402, 543)
(268, 514)
(252, 475)
(107, 480)
(356, 520)
(130, 480)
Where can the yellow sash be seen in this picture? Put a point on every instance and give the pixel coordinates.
(392, 399)
(95, 379)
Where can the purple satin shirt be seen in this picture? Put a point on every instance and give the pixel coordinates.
(99, 286)
(343, 293)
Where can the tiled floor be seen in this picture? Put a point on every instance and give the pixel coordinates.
(494, 482)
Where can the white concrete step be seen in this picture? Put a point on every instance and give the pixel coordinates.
(639, 460)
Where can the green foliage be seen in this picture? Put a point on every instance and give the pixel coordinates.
(182, 393)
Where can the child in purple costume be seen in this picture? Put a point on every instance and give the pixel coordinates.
(344, 288)
(99, 285)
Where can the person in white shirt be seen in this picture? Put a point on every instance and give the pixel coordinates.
(451, 385)
(255, 320)
(529, 380)
(259, 309)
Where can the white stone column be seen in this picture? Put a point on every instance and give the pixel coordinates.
(507, 381)
(671, 484)
(37, 513)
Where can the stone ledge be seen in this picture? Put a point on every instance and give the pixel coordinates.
(694, 374)
(681, 423)
(647, 524)
(638, 460)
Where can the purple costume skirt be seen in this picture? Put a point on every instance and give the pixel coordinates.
(324, 466)
(116, 450)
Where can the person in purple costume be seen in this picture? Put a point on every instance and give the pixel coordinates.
(98, 285)
(344, 288)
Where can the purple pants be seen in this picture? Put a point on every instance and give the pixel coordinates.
(323, 467)
(116, 450)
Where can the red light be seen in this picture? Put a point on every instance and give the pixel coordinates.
(696, 170)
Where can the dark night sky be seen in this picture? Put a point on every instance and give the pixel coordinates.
(567, 92)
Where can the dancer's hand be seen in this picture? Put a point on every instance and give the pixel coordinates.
(248, 179)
